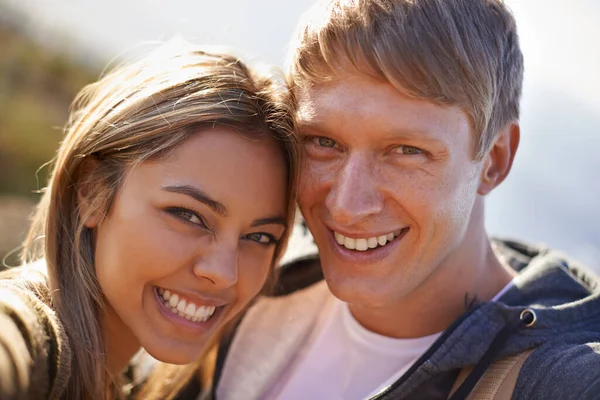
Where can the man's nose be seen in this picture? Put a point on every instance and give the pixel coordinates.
(218, 267)
(354, 194)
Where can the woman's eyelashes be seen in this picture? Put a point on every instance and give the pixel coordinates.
(263, 238)
(191, 217)
(187, 216)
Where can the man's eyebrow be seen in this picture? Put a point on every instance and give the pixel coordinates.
(200, 196)
(279, 220)
(309, 123)
(312, 128)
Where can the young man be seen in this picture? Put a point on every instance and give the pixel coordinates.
(408, 112)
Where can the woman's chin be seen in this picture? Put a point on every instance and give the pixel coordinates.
(170, 355)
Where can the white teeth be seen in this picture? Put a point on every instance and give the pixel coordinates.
(199, 315)
(210, 311)
(174, 300)
(206, 314)
(190, 310)
(362, 244)
(349, 243)
(372, 242)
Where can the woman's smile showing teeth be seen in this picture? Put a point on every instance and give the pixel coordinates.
(366, 243)
(178, 305)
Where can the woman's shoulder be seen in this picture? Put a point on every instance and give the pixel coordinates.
(25, 299)
(33, 344)
(27, 280)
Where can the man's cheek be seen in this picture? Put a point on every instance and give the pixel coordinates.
(312, 178)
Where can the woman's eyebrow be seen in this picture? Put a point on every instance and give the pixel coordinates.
(279, 220)
(200, 196)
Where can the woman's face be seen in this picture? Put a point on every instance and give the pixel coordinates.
(189, 241)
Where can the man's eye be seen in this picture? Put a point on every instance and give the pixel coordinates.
(262, 238)
(408, 150)
(324, 141)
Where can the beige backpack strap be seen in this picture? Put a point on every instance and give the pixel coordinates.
(498, 381)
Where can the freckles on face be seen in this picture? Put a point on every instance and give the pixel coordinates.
(391, 163)
(202, 224)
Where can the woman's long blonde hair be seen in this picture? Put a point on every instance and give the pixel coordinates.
(138, 112)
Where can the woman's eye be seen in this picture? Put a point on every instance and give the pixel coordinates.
(324, 141)
(262, 238)
(408, 150)
(187, 216)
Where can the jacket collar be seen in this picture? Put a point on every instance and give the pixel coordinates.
(273, 330)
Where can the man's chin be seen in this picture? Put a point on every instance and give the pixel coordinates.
(373, 286)
(356, 289)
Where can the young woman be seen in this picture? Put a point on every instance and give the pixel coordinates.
(170, 200)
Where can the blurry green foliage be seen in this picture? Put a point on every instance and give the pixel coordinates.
(37, 85)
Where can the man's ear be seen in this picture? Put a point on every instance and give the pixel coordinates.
(89, 214)
(498, 162)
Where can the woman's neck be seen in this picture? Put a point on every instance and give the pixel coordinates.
(121, 344)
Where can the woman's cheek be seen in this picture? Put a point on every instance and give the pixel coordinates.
(253, 275)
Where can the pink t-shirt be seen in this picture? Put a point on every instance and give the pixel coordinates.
(344, 361)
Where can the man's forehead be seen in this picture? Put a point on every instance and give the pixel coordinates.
(307, 108)
(343, 95)
(362, 103)
(315, 98)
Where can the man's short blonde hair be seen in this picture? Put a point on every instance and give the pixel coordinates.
(451, 52)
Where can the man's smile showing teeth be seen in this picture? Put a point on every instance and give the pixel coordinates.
(186, 308)
(364, 244)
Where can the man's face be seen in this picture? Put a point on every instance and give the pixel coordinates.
(387, 188)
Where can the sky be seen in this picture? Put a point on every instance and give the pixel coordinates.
(553, 193)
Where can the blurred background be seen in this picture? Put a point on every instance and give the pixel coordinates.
(50, 48)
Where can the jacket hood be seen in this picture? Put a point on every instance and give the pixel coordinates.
(560, 298)
(564, 299)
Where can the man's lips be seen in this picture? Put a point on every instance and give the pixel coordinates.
(370, 255)
(365, 242)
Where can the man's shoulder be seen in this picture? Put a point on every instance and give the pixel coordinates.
(566, 368)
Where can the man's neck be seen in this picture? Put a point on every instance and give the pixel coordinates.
(441, 299)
